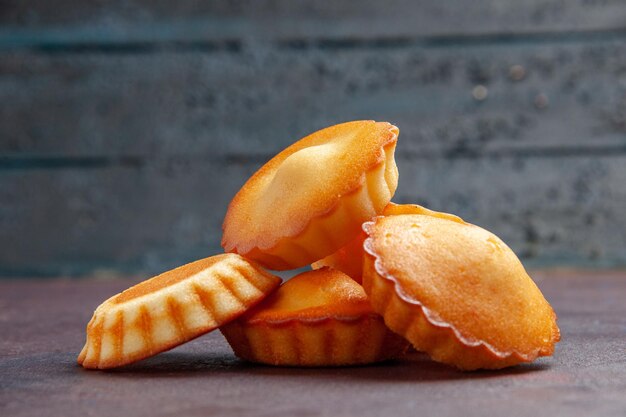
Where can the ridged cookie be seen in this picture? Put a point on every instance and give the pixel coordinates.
(173, 308)
(318, 318)
(311, 199)
(456, 292)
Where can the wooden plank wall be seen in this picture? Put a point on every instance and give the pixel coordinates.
(127, 126)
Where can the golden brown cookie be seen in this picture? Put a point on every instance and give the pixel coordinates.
(318, 318)
(311, 199)
(456, 292)
(173, 308)
(349, 259)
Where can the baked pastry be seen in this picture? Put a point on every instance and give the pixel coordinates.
(318, 318)
(173, 308)
(311, 199)
(456, 292)
(349, 259)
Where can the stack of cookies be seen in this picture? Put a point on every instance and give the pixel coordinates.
(383, 276)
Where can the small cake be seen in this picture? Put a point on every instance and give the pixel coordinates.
(311, 199)
(317, 318)
(173, 308)
(456, 292)
(349, 259)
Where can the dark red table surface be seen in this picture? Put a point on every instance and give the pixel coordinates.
(42, 330)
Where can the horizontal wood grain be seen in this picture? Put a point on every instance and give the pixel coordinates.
(127, 126)
(162, 214)
(250, 104)
(67, 22)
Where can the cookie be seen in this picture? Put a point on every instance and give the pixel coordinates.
(456, 292)
(173, 308)
(318, 318)
(311, 199)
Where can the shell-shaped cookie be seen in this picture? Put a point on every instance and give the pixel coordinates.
(311, 198)
(173, 308)
(456, 292)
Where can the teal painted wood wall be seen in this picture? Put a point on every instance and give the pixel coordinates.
(127, 126)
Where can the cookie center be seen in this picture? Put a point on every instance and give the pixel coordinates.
(165, 280)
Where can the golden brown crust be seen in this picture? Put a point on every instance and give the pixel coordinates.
(311, 198)
(318, 318)
(173, 308)
(456, 292)
(393, 209)
(166, 279)
(349, 259)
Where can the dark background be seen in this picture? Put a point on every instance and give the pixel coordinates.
(127, 126)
